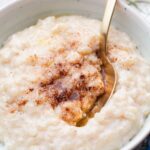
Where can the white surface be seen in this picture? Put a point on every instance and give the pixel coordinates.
(23, 14)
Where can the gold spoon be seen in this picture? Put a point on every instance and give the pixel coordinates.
(108, 71)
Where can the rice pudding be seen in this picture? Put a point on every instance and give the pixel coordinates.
(50, 78)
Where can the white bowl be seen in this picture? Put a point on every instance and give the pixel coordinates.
(19, 14)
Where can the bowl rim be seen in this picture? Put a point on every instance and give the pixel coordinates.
(7, 4)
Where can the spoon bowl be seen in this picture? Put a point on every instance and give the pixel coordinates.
(109, 78)
(107, 70)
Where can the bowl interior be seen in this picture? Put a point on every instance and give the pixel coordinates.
(16, 15)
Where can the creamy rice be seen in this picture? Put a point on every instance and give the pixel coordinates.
(27, 118)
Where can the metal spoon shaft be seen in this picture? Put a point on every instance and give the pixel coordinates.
(109, 10)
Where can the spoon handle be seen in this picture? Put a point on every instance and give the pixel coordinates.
(110, 6)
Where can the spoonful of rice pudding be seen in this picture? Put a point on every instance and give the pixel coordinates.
(107, 70)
